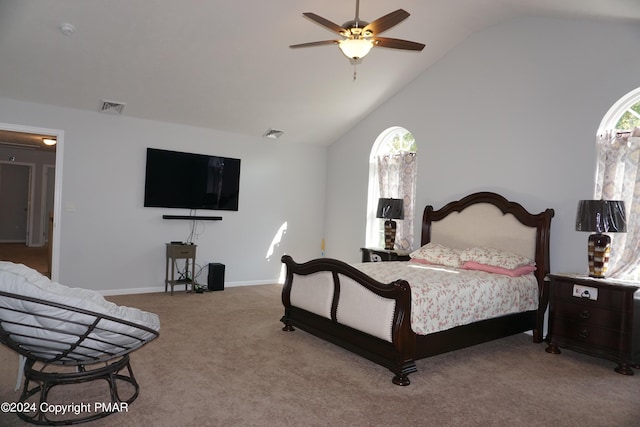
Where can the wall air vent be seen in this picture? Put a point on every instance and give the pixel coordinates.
(273, 134)
(111, 107)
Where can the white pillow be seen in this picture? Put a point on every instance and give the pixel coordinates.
(435, 253)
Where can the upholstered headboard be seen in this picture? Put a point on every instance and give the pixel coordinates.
(488, 219)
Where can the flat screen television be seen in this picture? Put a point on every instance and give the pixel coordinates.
(193, 181)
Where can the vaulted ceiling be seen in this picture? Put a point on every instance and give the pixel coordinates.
(227, 65)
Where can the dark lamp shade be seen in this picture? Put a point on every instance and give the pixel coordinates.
(601, 216)
(390, 208)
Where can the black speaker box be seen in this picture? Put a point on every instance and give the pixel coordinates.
(216, 277)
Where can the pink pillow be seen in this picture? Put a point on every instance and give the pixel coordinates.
(518, 271)
(495, 257)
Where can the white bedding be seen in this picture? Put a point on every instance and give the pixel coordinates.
(109, 337)
(443, 298)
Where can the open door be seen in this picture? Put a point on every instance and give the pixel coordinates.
(15, 187)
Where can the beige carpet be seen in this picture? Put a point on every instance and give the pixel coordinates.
(222, 360)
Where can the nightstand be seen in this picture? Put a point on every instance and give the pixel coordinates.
(376, 255)
(598, 317)
(180, 251)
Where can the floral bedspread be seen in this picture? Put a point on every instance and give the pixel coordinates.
(443, 297)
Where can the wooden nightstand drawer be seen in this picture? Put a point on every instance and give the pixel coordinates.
(589, 314)
(181, 251)
(588, 335)
(377, 255)
(611, 298)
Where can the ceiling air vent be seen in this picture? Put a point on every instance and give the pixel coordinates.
(111, 107)
(273, 134)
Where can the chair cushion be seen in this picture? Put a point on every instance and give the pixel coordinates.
(34, 325)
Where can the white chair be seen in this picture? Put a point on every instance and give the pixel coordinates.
(69, 336)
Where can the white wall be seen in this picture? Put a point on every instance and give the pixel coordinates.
(514, 109)
(110, 242)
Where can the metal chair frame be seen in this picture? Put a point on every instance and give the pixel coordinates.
(91, 363)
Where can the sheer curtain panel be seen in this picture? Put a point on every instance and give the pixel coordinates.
(618, 178)
(397, 174)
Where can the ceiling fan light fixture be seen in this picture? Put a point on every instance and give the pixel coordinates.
(273, 133)
(359, 37)
(355, 49)
(49, 141)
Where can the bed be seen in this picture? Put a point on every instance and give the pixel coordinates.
(349, 305)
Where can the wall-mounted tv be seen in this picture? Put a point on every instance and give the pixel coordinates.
(193, 181)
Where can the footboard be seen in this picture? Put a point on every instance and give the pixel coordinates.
(335, 301)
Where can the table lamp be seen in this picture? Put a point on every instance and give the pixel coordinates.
(390, 209)
(600, 216)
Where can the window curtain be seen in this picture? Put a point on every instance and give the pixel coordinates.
(397, 175)
(618, 178)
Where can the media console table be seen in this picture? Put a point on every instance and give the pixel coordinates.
(177, 251)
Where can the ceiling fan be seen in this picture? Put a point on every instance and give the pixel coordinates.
(360, 36)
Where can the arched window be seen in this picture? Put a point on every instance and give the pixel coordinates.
(624, 115)
(392, 174)
(618, 178)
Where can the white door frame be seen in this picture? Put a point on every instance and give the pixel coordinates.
(57, 203)
(44, 217)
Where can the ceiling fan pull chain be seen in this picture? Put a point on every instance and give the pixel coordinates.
(355, 72)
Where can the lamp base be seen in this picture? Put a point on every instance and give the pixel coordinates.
(598, 251)
(389, 234)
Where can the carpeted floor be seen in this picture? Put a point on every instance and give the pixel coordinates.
(222, 360)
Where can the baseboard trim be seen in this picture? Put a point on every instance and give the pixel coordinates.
(158, 289)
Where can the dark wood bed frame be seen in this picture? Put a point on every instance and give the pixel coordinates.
(406, 347)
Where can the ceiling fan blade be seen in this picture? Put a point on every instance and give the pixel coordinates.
(387, 21)
(331, 26)
(310, 44)
(397, 43)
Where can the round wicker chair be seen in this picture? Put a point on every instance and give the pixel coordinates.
(69, 336)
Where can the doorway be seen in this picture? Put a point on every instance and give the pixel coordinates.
(39, 246)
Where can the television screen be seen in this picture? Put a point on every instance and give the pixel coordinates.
(193, 181)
